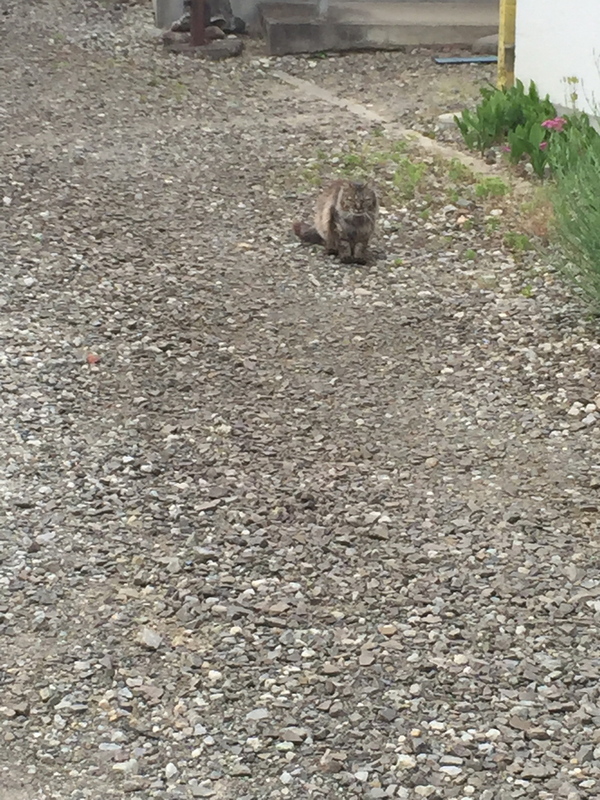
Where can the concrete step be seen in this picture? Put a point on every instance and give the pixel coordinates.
(294, 27)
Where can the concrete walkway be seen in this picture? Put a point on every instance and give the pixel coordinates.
(295, 27)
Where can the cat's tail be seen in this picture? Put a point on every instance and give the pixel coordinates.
(307, 233)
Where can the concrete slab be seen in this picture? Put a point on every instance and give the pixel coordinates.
(293, 27)
(166, 12)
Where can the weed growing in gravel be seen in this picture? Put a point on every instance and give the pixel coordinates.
(491, 225)
(457, 171)
(311, 175)
(469, 255)
(399, 176)
(490, 187)
(519, 242)
(408, 177)
(179, 90)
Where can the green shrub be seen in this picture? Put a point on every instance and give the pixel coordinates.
(501, 111)
(566, 147)
(529, 127)
(576, 203)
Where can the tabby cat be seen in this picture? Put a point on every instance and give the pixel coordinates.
(345, 218)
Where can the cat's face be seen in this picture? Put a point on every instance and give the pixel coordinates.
(359, 198)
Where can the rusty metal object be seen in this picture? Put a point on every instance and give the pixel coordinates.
(197, 22)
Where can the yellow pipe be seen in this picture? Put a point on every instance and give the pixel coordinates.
(506, 44)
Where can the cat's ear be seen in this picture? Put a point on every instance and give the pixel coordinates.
(372, 187)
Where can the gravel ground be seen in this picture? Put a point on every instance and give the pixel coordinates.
(273, 527)
(405, 87)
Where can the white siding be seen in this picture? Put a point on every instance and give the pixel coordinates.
(557, 40)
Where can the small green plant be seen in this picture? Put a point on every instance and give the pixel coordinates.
(490, 187)
(179, 90)
(492, 224)
(408, 176)
(469, 255)
(399, 146)
(527, 291)
(351, 162)
(310, 175)
(529, 139)
(501, 111)
(457, 171)
(569, 140)
(519, 242)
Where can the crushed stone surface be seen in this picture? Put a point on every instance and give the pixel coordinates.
(273, 527)
(405, 87)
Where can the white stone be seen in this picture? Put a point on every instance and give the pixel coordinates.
(424, 791)
(130, 766)
(171, 770)
(450, 770)
(405, 761)
(446, 120)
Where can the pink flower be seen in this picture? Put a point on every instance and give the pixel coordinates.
(556, 124)
(543, 145)
(506, 148)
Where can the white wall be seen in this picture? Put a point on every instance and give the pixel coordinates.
(556, 40)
